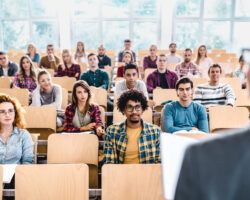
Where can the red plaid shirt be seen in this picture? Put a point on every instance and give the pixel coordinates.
(94, 113)
(70, 72)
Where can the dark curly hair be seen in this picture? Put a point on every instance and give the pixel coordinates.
(133, 95)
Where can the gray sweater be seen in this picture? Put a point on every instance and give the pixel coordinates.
(39, 98)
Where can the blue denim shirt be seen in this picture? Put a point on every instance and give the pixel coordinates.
(18, 149)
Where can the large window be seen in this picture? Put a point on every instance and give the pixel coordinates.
(24, 21)
(218, 24)
(91, 21)
(111, 21)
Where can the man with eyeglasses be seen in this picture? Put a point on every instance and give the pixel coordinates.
(133, 141)
(184, 115)
(187, 67)
(162, 77)
(50, 61)
(7, 68)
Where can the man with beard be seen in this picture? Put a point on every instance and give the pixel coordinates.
(173, 58)
(187, 68)
(133, 141)
(104, 60)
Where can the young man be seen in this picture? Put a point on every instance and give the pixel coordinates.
(184, 115)
(150, 61)
(187, 68)
(218, 168)
(161, 77)
(127, 47)
(103, 59)
(50, 61)
(131, 81)
(214, 92)
(7, 68)
(173, 58)
(94, 76)
(133, 141)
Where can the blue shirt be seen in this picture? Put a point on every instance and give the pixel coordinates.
(18, 149)
(177, 118)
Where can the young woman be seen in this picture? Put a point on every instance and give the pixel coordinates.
(203, 61)
(31, 52)
(241, 72)
(81, 115)
(26, 77)
(68, 68)
(16, 145)
(127, 58)
(80, 55)
(48, 93)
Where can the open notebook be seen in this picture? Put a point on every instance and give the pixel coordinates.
(172, 152)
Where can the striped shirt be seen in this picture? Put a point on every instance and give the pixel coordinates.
(221, 94)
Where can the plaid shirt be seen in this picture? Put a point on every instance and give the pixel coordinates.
(70, 72)
(27, 82)
(94, 113)
(184, 69)
(116, 140)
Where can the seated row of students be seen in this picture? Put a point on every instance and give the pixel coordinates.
(162, 77)
(127, 142)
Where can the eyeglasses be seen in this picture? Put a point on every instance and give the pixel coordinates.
(10, 111)
(130, 108)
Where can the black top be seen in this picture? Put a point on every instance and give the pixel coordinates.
(163, 81)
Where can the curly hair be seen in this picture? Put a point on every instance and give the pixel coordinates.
(19, 111)
(133, 95)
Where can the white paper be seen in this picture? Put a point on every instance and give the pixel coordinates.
(8, 172)
(172, 152)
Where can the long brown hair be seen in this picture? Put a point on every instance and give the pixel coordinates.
(19, 111)
(22, 72)
(198, 54)
(86, 87)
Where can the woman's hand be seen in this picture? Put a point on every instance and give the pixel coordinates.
(99, 131)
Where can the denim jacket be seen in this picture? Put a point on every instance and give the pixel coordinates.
(18, 149)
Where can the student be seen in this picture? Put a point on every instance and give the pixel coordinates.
(214, 92)
(203, 61)
(127, 58)
(16, 145)
(26, 78)
(80, 54)
(184, 114)
(82, 115)
(132, 141)
(7, 68)
(50, 61)
(68, 68)
(94, 76)
(150, 61)
(162, 77)
(48, 93)
(31, 52)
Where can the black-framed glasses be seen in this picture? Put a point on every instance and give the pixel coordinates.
(131, 108)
